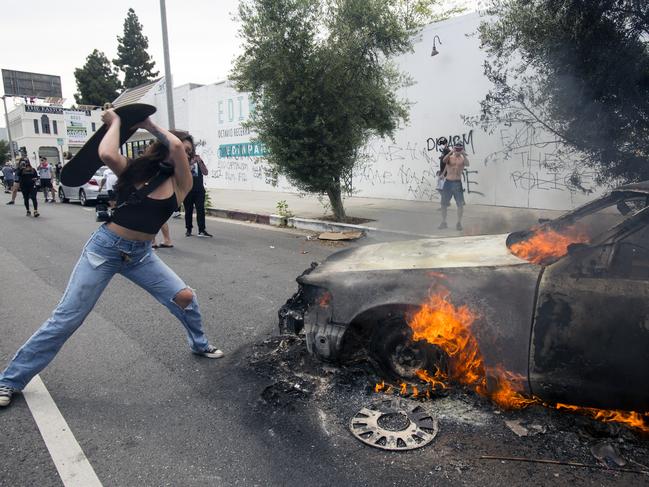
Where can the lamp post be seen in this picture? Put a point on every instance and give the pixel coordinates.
(435, 51)
(11, 143)
(168, 81)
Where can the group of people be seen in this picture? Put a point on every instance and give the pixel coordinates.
(148, 190)
(29, 180)
(452, 163)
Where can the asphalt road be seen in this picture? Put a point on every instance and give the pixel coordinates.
(146, 412)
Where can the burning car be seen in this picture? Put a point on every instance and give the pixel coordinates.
(559, 312)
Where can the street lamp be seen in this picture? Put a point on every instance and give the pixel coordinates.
(435, 51)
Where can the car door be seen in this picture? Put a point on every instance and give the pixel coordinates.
(590, 338)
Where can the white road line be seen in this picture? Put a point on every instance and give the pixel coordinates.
(72, 464)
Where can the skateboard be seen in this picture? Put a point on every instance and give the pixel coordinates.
(85, 163)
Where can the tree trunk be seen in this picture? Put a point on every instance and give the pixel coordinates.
(335, 198)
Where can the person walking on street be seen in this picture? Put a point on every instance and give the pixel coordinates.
(455, 162)
(148, 191)
(8, 174)
(45, 175)
(196, 197)
(16, 187)
(28, 181)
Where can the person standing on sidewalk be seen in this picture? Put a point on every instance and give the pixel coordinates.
(28, 181)
(455, 162)
(45, 175)
(122, 246)
(196, 197)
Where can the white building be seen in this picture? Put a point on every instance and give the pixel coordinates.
(43, 130)
(509, 167)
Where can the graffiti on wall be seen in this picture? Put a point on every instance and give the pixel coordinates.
(538, 162)
(415, 166)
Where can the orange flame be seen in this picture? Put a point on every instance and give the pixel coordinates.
(325, 300)
(548, 244)
(448, 327)
(379, 387)
(633, 419)
(435, 381)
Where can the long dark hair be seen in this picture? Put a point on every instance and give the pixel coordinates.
(144, 167)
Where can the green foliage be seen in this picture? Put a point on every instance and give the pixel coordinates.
(208, 200)
(132, 57)
(415, 14)
(5, 151)
(283, 210)
(320, 75)
(580, 70)
(97, 80)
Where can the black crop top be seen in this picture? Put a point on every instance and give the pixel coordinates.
(146, 216)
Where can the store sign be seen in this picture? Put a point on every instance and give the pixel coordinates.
(76, 123)
(246, 149)
(43, 109)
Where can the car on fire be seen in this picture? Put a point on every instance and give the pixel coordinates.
(564, 305)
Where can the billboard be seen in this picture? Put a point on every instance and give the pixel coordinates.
(21, 83)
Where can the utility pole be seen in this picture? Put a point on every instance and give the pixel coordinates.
(11, 143)
(169, 86)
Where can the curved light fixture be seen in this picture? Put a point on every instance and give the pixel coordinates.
(435, 51)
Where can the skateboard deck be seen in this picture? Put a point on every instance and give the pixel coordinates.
(85, 163)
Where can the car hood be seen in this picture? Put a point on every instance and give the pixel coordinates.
(433, 253)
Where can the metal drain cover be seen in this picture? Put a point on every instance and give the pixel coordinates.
(412, 426)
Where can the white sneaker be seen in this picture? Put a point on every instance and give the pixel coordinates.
(210, 352)
(5, 395)
(176, 214)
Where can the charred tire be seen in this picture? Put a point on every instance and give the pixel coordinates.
(397, 356)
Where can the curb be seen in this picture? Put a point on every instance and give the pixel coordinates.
(303, 223)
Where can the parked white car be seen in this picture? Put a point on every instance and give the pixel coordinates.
(84, 194)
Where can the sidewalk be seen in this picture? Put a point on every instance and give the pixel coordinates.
(410, 218)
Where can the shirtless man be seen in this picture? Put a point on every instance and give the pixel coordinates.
(455, 162)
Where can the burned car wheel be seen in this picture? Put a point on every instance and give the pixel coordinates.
(397, 356)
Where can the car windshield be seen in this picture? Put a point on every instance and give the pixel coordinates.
(548, 242)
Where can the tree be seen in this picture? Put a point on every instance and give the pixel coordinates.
(320, 76)
(97, 80)
(5, 151)
(580, 71)
(132, 57)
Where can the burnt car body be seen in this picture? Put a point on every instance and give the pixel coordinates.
(575, 327)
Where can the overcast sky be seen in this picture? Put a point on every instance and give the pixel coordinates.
(56, 36)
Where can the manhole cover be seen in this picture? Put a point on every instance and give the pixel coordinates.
(394, 424)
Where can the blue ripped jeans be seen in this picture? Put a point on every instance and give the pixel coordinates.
(103, 256)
